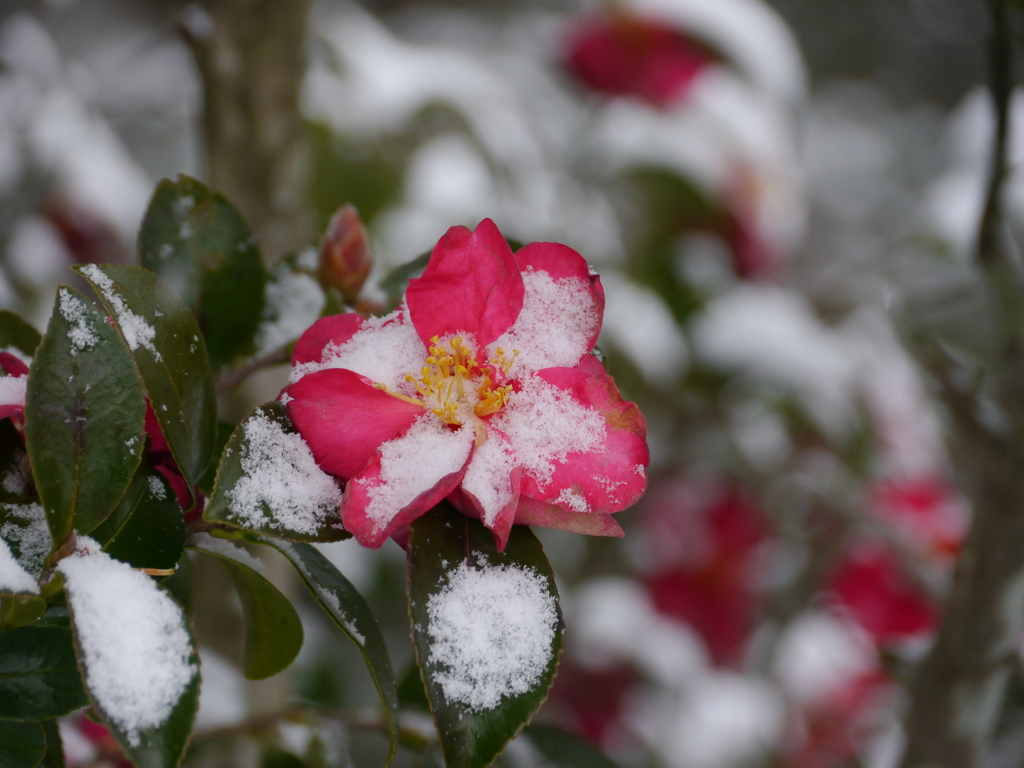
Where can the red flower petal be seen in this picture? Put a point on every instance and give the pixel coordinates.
(471, 285)
(335, 329)
(370, 529)
(344, 419)
(533, 512)
(611, 477)
(16, 412)
(157, 441)
(12, 365)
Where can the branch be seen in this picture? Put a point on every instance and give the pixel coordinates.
(957, 693)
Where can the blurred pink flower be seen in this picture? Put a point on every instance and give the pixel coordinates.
(481, 389)
(624, 55)
(872, 586)
(710, 586)
(925, 510)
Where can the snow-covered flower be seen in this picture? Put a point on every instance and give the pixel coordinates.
(482, 389)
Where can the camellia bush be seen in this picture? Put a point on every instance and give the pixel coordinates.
(451, 422)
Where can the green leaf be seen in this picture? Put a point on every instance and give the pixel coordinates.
(161, 745)
(562, 749)
(146, 528)
(22, 745)
(201, 245)
(411, 693)
(38, 675)
(352, 614)
(224, 430)
(273, 631)
(84, 417)
(15, 332)
(179, 584)
(54, 757)
(171, 356)
(298, 512)
(446, 550)
(19, 609)
(23, 527)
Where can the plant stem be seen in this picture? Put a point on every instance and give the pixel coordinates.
(958, 691)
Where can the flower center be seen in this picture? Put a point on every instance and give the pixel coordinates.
(453, 385)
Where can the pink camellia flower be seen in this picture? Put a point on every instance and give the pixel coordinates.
(480, 389)
(625, 55)
(12, 388)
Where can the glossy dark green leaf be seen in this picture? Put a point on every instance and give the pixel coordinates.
(146, 528)
(22, 745)
(39, 678)
(561, 749)
(16, 333)
(54, 757)
(273, 631)
(352, 614)
(19, 609)
(23, 528)
(171, 356)
(312, 521)
(411, 693)
(202, 246)
(441, 543)
(84, 416)
(179, 584)
(224, 430)
(163, 745)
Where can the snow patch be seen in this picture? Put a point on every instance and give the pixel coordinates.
(491, 631)
(136, 331)
(136, 650)
(555, 327)
(292, 304)
(545, 424)
(26, 530)
(281, 475)
(414, 463)
(14, 578)
(74, 312)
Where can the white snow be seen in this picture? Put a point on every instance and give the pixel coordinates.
(222, 700)
(572, 500)
(74, 312)
(292, 303)
(555, 325)
(12, 390)
(32, 539)
(384, 350)
(136, 651)
(491, 631)
(817, 654)
(156, 488)
(281, 477)
(413, 463)
(545, 424)
(487, 476)
(225, 548)
(639, 324)
(14, 578)
(136, 331)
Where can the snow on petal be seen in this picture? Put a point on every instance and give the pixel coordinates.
(136, 650)
(383, 350)
(545, 424)
(427, 458)
(489, 477)
(14, 578)
(558, 324)
(491, 630)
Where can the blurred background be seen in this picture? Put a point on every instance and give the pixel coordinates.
(782, 199)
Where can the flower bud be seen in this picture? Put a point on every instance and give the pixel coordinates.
(345, 259)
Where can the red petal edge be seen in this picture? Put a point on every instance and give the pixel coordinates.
(471, 284)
